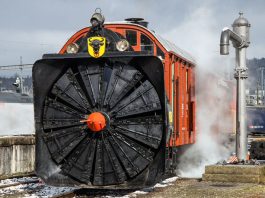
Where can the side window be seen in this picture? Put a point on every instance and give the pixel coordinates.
(160, 52)
(146, 43)
(131, 37)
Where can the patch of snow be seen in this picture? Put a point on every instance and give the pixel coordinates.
(17, 180)
(31, 190)
(170, 180)
(162, 184)
(48, 191)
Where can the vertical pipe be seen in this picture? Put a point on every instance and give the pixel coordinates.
(21, 79)
(241, 138)
(262, 85)
(237, 73)
(240, 38)
(261, 79)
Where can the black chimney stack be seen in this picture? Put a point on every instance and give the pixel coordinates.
(139, 21)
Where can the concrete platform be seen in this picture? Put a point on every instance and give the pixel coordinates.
(17, 156)
(235, 173)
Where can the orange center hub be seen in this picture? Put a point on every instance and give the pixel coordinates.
(96, 122)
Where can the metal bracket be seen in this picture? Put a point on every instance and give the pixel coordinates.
(240, 73)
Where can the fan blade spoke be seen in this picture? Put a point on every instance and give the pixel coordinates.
(57, 115)
(80, 163)
(98, 171)
(147, 130)
(122, 80)
(62, 142)
(113, 172)
(68, 89)
(133, 156)
(90, 78)
(61, 106)
(144, 99)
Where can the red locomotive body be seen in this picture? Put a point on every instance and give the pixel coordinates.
(178, 75)
(113, 116)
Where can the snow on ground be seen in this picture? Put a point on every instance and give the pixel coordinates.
(34, 190)
(162, 184)
(166, 182)
(17, 180)
(47, 191)
(31, 190)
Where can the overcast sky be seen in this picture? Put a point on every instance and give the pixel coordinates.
(30, 28)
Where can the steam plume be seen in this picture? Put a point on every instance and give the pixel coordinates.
(16, 119)
(201, 37)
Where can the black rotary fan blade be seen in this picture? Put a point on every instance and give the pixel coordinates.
(131, 136)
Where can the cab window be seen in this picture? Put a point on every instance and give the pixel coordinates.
(131, 37)
(160, 52)
(146, 43)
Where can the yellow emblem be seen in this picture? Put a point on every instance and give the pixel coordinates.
(96, 46)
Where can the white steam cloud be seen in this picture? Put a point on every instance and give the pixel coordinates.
(16, 119)
(199, 35)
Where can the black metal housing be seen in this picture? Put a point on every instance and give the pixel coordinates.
(129, 89)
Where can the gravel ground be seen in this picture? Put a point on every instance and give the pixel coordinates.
(196, 188)
(169, 188)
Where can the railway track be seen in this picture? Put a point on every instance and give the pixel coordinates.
(65, 195)
(19, 183)
(33, 187)
(15, 187)
(94, 193)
